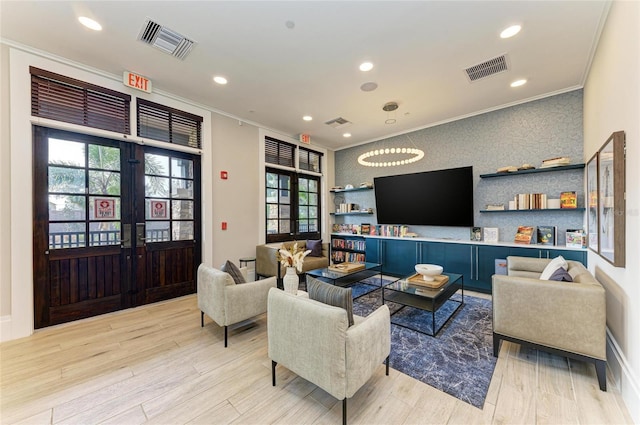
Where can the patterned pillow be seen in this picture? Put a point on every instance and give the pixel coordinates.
(331, 295)
(315, 247)
(233, 271)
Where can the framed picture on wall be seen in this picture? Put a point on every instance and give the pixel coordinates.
(611, 200)
(592, 203)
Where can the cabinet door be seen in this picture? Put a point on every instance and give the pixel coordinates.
(372, 251)
(525, 252)
(458, 259)
(399, 257)
(432, 253)
(486, 266)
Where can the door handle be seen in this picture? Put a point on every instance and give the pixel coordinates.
(125, 238)
(140, 234)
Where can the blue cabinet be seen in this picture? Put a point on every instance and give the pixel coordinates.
(398, 257)
(568, 254)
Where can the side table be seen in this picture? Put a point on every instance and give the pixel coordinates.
(244, 261)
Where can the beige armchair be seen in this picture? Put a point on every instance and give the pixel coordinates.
(267, 263)
(564, 318)
(227, 303)
(314, 341)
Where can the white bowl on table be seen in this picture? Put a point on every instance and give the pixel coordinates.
(428, 271)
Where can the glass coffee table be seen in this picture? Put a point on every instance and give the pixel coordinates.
(408, 295)
(346, 278)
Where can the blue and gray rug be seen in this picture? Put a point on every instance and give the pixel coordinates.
(458, 361)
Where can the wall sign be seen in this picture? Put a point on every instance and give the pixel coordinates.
(104, 208)
(136, 81)
(158, 209)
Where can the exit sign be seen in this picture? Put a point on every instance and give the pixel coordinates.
(136, 81)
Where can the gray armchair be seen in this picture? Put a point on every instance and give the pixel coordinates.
(227, 303)
(314, 341)
(564, 318)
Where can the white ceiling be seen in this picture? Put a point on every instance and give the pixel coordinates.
(276, 75)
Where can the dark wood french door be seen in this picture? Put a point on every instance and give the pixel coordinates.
(116, 225)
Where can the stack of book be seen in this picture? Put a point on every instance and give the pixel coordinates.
(555, 162)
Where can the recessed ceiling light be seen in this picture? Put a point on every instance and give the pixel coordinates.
(220, 80)
(307, 118)
(369, 86)
(366, 66)
(511, 31)
(90, 23)
(519, 83)
(346, 135)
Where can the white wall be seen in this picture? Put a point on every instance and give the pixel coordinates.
(612, 103)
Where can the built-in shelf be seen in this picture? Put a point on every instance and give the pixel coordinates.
(533, 171)
(534, 210)
(353, 213)
(355, 189)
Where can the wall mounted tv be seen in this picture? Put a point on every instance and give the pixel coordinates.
(432, 198)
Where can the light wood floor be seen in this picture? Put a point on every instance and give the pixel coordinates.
(156, 365)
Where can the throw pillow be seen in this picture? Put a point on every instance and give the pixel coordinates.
(233, 271)
(315, 247)
(332, 295)
(553, 265)
(561, 275)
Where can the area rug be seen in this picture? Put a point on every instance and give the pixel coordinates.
(458, 361)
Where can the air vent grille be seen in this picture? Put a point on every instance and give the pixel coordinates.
(488, 68)
(338, 122)
(165, 39)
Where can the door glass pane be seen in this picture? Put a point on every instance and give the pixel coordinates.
(303, 185)
(285, 226)
(181, 210)
(157, 231)
(313, 186)
(181, 168)
(104, 233)
(313, 199)
(66, 180)
(66, 207)
(285, 182)
(182, 230)
(156, 186)
(272, 195)
(104, 183)
(63, 152)
(156, 164)
(272, 180)
(313, 225)
(107, 208)
(66, 235)
(303, 198)
(313, 212)
(104, 157)
(303, 226)
(272, 227)
(285, 197)
(303, 212)
(285, 211)
(182, 188)
(272, 211)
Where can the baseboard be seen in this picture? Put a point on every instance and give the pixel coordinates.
(5, 328)
(625, 380)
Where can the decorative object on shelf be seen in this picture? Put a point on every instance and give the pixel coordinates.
(546, 235)
(553, 204)
(495, 207)
(507, 169)
(428, 271)
(524, 235)
(366, 185)
(568, 200)
(576, 238)
(611, 199)
(290, 281)
(491, 234)
(476, 234)
(526, 166)
(555, 162)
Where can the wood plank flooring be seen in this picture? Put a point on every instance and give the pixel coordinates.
(156, 365)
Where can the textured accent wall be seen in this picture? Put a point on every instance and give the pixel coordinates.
(527, 133)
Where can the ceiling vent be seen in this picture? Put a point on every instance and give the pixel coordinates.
(165, 39)
(338, 122)
(488, 68)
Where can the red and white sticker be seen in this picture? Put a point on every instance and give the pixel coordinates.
(104, 208)
(159, 209)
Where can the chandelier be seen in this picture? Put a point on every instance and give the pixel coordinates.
(390, 157)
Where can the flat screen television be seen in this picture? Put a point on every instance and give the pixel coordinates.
(432, 198)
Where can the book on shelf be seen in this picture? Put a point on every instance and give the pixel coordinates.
(530, 201)
(555, 162)
(524, 235)
(576, 238)
(365, 228)
(547, 235)
(568, 200)
(476, 234)
(495, 207)
(490, 234)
